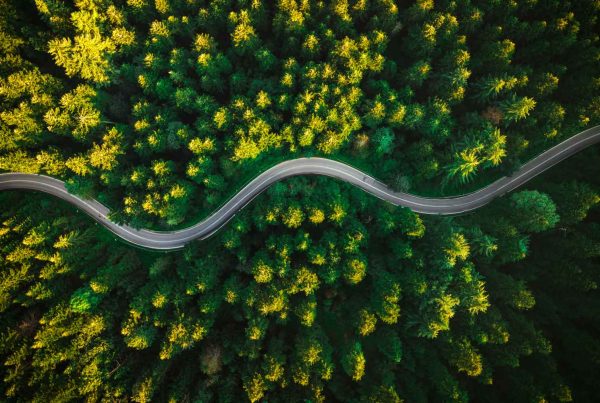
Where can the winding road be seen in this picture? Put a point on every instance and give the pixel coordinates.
(167, 240)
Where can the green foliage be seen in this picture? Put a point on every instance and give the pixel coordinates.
(316, 291)
(354, 362)
(83, 300)
(86, 53)
(316, 79)
(534, 211)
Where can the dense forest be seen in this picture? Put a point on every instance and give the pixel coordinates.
(317, 291)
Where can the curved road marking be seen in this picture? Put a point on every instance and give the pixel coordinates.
(166, 240)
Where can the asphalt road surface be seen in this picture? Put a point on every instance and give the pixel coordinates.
(165, 240)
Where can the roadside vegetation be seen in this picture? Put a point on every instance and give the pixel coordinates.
(162, 109)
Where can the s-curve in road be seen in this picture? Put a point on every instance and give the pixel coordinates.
(166, 240)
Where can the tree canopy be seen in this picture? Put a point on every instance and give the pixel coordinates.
(316, 291)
